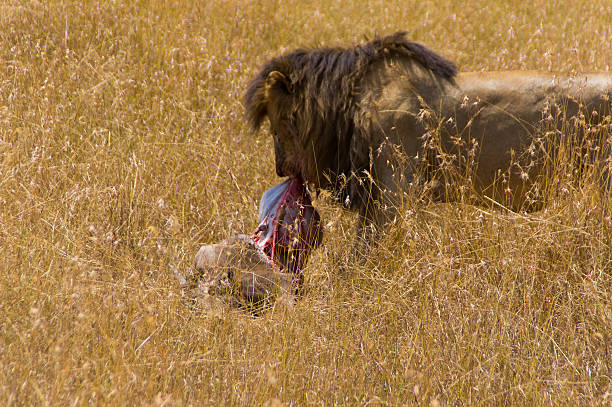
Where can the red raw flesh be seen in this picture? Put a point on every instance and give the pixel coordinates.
(288, 225)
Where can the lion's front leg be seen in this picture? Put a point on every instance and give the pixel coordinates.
(366, 236)
(373, 222)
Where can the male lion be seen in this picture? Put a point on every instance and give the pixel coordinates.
(377, 119)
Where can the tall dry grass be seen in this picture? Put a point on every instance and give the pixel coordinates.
(123, 147)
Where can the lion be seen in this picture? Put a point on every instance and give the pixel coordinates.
(373, 121)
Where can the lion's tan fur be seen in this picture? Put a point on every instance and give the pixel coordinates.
(512, 120)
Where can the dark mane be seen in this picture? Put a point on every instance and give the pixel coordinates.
(321, 113)
(329, 75)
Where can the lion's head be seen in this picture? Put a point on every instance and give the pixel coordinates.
(310, 97)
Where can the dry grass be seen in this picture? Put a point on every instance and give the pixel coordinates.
(123, 147)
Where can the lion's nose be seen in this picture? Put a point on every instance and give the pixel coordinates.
(279, 168)
(279, 158)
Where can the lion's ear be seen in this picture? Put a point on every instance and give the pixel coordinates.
(277, 80)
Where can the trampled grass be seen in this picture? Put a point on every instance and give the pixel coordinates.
(123, 148)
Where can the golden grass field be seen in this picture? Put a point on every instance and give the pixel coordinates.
(124, 147)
